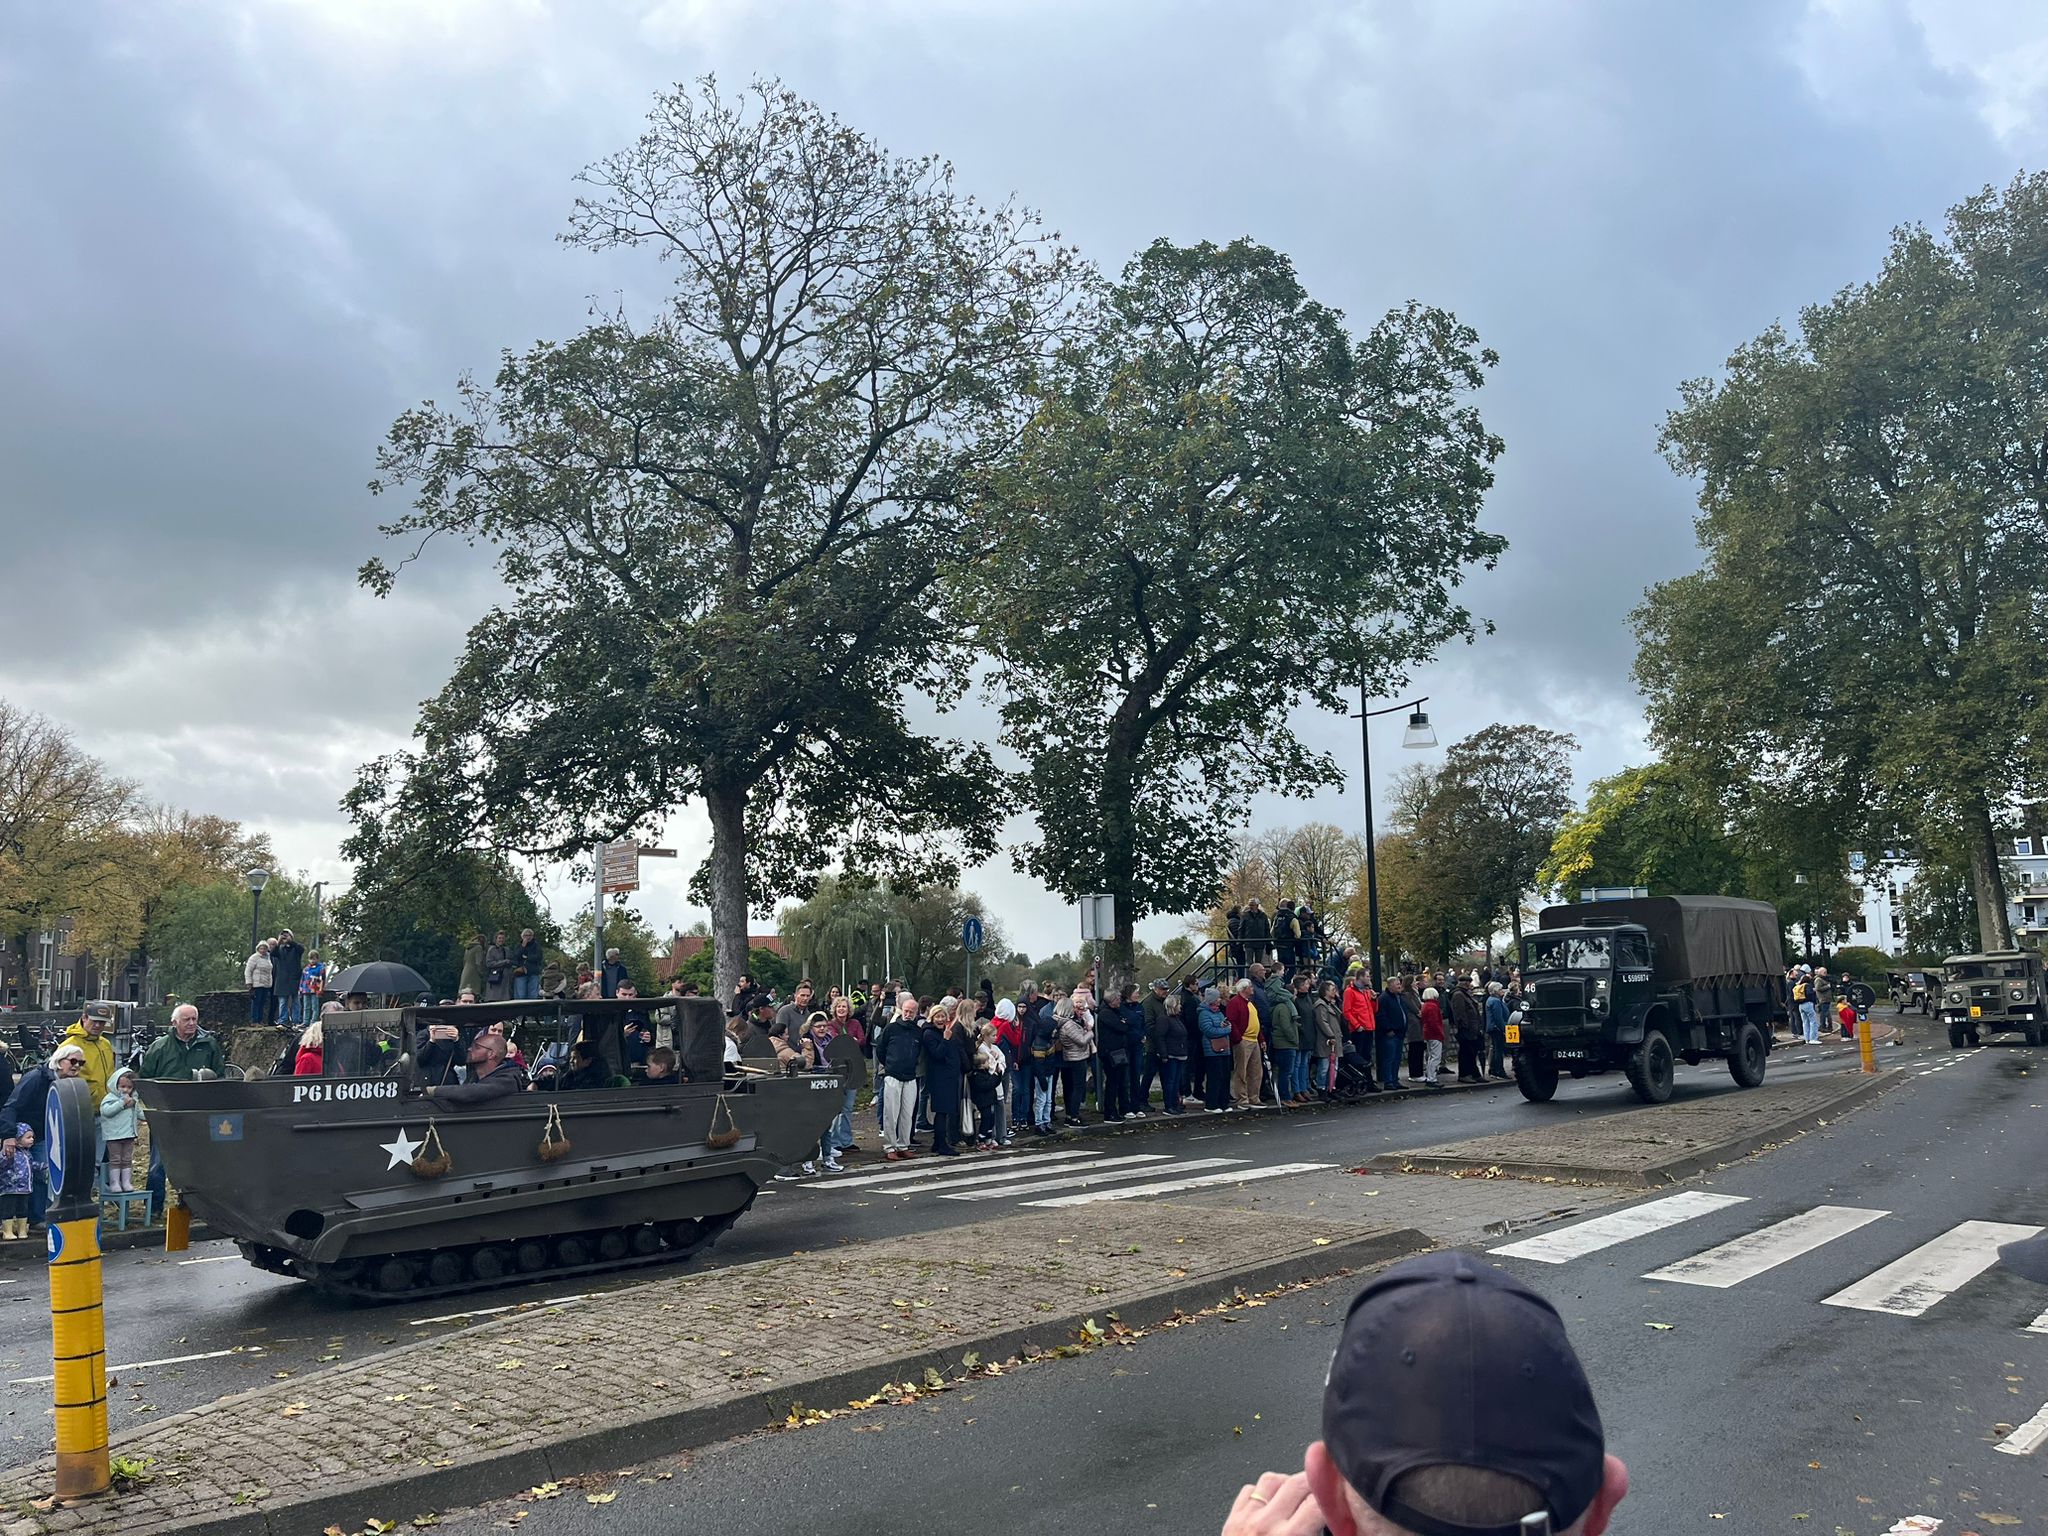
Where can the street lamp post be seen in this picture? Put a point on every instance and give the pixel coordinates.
(256, 879)
(1418, 734)
(318, 887)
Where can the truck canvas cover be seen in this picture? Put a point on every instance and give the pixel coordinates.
(1697, 938)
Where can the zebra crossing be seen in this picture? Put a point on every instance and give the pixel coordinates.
(1911, 1285)
(1058, 1180)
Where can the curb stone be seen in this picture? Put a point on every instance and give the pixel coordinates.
(1669, 1170)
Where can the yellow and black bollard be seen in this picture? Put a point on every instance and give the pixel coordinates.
(77, 1319)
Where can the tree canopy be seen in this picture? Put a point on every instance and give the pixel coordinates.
(1226, 505)
(721, 526)
(1865, 649)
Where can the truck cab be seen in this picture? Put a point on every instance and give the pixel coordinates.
(1642, 983)
(1999, 990)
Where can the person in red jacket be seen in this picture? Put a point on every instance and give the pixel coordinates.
(1432, 1037)
(1361, 1019)
(310, 1061)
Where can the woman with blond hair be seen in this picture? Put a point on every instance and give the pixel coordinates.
(312, 1057)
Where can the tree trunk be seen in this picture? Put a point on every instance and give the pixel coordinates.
(1119, 855)
(1987, 880)
(728, 810)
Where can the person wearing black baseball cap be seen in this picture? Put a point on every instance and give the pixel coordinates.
(1454, 1406)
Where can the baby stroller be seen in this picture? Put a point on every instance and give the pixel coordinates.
(1353, 1078)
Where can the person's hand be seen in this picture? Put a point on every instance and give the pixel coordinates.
(1275, 1505)
(441, 1032)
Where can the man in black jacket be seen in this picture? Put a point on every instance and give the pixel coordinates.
(287, 965)
(1257, 929)
(527, 963)
(491, 1076)
(1468, 1020)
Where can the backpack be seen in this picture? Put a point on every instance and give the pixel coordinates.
(1800, 993)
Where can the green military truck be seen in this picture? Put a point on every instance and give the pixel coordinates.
(1981, 994)
(1642, 983)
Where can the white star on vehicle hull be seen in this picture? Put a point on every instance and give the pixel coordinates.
(401, 1150)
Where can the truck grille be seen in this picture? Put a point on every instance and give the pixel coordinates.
(1564, 993)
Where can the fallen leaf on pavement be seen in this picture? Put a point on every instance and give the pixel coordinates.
(599, 1498)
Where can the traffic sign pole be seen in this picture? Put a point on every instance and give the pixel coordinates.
(78, 1325)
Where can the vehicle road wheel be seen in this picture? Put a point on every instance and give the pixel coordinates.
(611, 1247)
(531, 1256)
(444, 1269)
(1652, 1069)
(1955, 1037)
(394, 1275)
(492, 1263)
(645, 1240)
(1536, 1077)
(572, 1252)
(1747, 1061)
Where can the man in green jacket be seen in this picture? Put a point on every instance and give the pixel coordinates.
(177, 1057)
(1283, 1035)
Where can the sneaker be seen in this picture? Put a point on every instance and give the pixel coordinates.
(810, 1167)
(833, 1166)
(1074, 1120)
(1137, 1114)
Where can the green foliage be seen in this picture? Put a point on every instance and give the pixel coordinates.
(201, 937)
(721, 529)
(1217, 446)
(624, 930)
(778, 973)
(1502, 793)
(845, 920)
(1864, 653)
(1864, 963)
(1647, 826)
(421, 907)
(1939, 914)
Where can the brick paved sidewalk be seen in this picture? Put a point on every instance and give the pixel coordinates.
(680, 1361)
(1650, 1144)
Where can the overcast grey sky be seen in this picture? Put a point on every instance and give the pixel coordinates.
(242, 236)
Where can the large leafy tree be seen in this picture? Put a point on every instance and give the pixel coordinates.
(1867, 640)
(422, 909)
(201, 935)
(845, 919)
(1226, 505)
(721, 526)
(1646, 826)
(63, 818)
(1503, 791)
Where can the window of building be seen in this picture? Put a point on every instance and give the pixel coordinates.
(1898, 927)
(2023, 846)
(1861, 925)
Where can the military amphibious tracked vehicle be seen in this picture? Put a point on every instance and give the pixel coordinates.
(366, 1183)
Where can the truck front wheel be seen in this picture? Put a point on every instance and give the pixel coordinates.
(1652, 1069)
(1955, 1037)
(1747, 1061)
(1536, 1077)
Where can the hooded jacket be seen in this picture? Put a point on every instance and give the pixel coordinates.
(1283, 1021)
(118, 1119)
(256, 969)
(1213, 1025)
(99, 1057)
(1360, 1010)
(1330, 1022)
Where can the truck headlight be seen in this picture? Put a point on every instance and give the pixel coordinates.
(1952, 999)
(2017, 994)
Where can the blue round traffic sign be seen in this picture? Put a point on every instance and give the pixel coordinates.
(970, 935)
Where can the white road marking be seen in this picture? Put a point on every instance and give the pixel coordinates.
(1907, 1287)
(2028, 1438)
(517, 1306)
(2039, 1324)
(1575, 1242)
(1169, 1186)
(922, 1169)
(1754, 1252)
(144, 1365)
(1084, 1180)
(986, 1175)
(218, 1258)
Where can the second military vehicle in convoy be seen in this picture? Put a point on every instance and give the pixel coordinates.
(1981, 994)
(1642, 983)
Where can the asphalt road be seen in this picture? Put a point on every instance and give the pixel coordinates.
(1752, 1407)
(185, 1329)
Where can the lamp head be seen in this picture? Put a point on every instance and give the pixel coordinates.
(256, 879)
(1419, 732)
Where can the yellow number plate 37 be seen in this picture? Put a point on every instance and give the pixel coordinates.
(1514, 1034)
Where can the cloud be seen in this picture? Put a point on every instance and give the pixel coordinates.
(249, 232)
